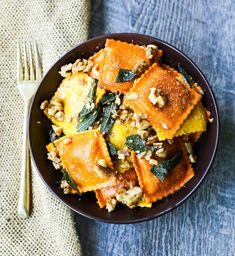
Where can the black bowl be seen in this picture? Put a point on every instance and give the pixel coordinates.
(38, 135)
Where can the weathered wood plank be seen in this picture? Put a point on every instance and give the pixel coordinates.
(205, 224)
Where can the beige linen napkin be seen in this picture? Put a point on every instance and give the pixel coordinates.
(58, 26)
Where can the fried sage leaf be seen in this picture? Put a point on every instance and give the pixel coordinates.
(86, 121)
(90, 102)
(125, 75)
(164, 167)
(186, 76)
(67, 177)
(134, 142)
(108, 98)
(108, 120)
(112, 150)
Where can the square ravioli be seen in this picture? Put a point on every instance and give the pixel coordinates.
(155, 189)
(80, 154)
(120, 55)
(70, 96)
(180, 101)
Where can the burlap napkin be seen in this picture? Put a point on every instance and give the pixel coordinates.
(57, 26)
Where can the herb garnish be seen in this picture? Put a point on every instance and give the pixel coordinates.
(108, 120)
(109, 108)
(165, 166)
(67, 177)
(87, 121)
(108, 98)
(186, 76)
(89, 112)
(125, 75)
(135, 143)
(112, 150)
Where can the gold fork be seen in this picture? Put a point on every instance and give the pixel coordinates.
(29, 74)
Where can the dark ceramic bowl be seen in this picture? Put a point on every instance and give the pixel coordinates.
(87, 206)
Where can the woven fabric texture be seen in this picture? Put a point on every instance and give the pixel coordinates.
(57, 25)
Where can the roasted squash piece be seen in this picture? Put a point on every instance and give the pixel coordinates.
(72, 93)
(80, 153)
(120, 55)
(181, 100)
(153, 188)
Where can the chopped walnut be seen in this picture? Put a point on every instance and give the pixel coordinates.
(153, 162)
(130, 197)
(140, 67)
(57, 129)
(141, 155)
(148, 155)
(157, 98)
(132, 96)
(111, 204)
(102, 163)
(150, 50)
(161, 153)
(65, 70)
(59, 116)
(192, 158)
(44, 105)
(82, 65)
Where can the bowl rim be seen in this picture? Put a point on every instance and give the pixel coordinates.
(152, 216)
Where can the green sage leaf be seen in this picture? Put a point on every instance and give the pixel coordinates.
(186, 76)
(108, 120)
(87, 121)
(112, 150)
(125, 75)
(90, 101)
(108, 98)
(164, 167)
(67, 177)
(135, 143)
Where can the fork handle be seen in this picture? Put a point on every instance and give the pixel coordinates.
(24, 195)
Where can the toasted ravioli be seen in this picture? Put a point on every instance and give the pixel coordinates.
(80, 154)
(72, 93)
(98, 60)
(120, 55)
(181, 100)
(123, 181)
(153, 188)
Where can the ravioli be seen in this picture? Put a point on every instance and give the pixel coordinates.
(125, 180)
(80, 157)
(98, 61)
(73, 93)
(153, 188)
(180, 101)
(120, 55)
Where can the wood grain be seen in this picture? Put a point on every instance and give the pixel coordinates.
(204, 224)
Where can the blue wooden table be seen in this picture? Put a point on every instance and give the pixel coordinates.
(205, 224)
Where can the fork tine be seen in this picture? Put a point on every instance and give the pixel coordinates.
(31, 67)
(19, 63)
(26, 70)
(37, 62)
